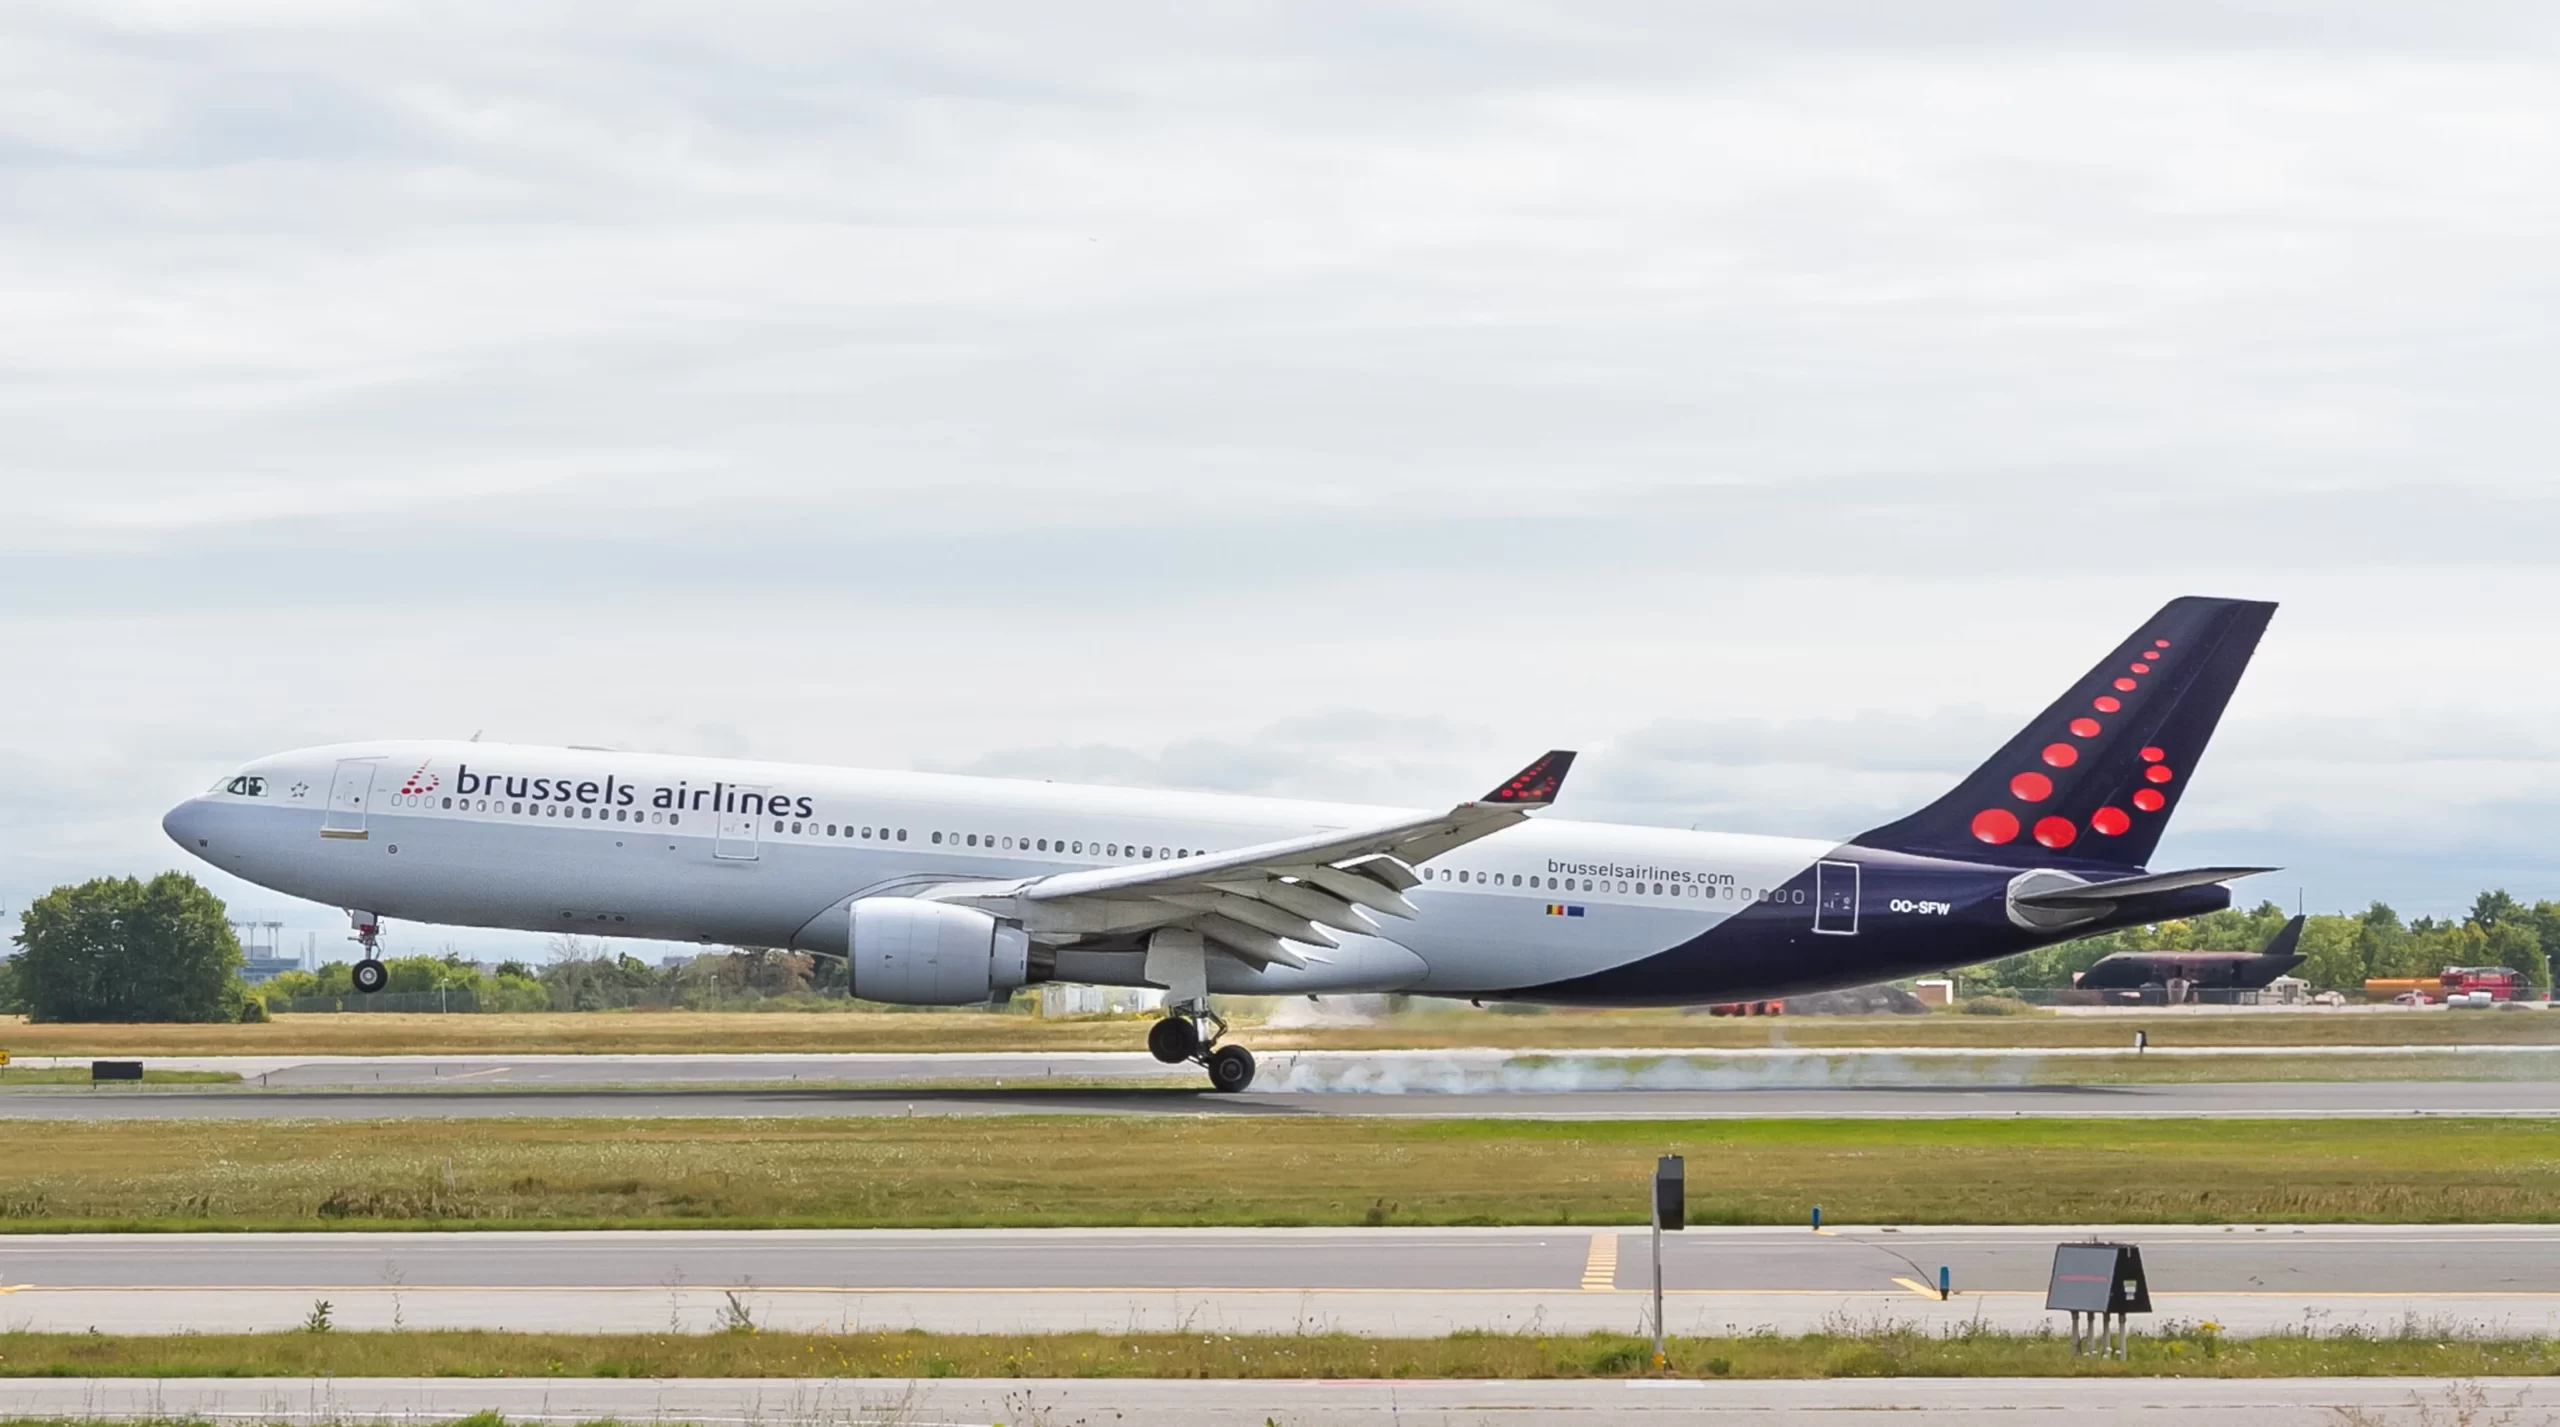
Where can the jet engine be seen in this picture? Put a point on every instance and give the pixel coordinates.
(916, 953)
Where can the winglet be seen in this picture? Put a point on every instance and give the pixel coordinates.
(1534, 786)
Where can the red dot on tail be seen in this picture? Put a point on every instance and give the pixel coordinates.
(2154, 754)
(2142, 668)
(2061, 755)
(2031, 787)
(2149, 799)
(2056, 832)
(2159, 644)
(1995, 825)
(2158, 773)
(2106, 703)
(2085, 727)
(2127, 685)
(2110, 821)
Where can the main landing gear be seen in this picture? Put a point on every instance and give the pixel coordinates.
(1178, 1038)
(369, 973)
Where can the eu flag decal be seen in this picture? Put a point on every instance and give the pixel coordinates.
(1559, 909)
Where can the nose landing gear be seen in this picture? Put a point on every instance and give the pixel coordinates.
(369, 973)
(1178, 1037)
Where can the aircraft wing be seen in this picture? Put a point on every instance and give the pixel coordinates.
(1254, 901)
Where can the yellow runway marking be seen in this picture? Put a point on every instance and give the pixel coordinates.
(1918, 1287)
(1600, 1271)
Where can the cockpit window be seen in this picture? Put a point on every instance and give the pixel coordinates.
(247, 786)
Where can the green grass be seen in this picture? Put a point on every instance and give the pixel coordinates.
(1279, 1170)
(2181, 1349)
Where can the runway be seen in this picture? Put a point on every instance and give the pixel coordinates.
(2488, 1279)
(976, 1402)
(1371, 1072)
(468, 1100)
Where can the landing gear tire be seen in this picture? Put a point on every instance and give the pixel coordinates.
(1230, 1069)
(1174, 1040)
(371, 975)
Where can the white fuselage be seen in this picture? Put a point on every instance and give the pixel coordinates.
(768, 854)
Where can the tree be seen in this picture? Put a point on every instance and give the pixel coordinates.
(2331, 957)
(117, 949)
(2492, 909)
(2546, 924)
(2516, 944)
(2379, 937)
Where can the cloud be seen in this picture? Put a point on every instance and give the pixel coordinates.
(1775, 401)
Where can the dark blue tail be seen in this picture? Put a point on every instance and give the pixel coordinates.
(2095, 777)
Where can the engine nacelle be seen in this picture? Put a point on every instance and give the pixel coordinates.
(916, 953)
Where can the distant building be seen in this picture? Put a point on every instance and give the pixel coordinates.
(258, 969)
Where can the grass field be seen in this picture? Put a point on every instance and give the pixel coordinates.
(2183, 1349)
(79, 1075)
(676, 1032)
(1057, 1171)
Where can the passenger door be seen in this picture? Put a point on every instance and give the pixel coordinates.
(737, 831)
(1835, 898)
(349, 790)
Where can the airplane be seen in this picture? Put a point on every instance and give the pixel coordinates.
(2242, 970)
(946, 890)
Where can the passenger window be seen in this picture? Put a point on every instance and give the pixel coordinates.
(1077, 847)
(902, 834)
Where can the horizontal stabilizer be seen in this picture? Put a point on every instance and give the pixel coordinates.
(2127, 888)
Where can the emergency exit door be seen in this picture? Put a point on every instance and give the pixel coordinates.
(349, 790)
(1835, 898)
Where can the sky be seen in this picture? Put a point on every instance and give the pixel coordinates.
(1778, 402)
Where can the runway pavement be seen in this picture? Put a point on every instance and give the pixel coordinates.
(2016, 1402)
(2491, 1279)
(414, 1099)
(1378, 1072)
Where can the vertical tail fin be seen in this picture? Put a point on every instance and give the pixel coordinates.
(2096, 776)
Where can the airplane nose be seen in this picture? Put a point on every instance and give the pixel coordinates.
(183, 824)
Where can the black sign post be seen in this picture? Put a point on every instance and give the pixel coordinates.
(2098, 1284)
(1670, 1211)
